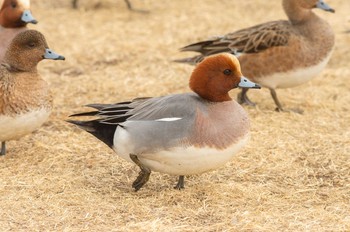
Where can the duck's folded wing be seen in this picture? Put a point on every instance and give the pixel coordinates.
(249, 40)
(163, 123)
(165, 108)
(166, 119)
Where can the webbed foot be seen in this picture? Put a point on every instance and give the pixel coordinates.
(144, 174)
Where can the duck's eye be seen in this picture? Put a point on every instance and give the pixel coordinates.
(13, 4)
(31, 45)
(227, 72)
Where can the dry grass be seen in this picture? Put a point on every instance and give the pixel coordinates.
(294, 175)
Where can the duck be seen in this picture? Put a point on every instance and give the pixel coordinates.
(14, 17)
(178, 134)
(25, 98)
(277, 54)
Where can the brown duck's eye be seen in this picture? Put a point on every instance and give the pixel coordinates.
(227, 72)
(31, 45)
(13, 4)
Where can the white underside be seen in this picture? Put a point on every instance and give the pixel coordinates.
(20, 125)
(293, 78)
(179, 160)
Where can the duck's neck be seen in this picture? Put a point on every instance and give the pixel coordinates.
(214, 97)
(14, 69)
(297, 14)
(211, 90)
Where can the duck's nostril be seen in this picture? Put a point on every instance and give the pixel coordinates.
(50, 52)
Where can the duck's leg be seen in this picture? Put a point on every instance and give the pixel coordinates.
(75, 4)
(279, 105)
(128, 3)
(144, 174)
(181, 183)
(275, 99)
(243, 99)
(3, 148)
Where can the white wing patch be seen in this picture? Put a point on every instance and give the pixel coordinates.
(167, 119)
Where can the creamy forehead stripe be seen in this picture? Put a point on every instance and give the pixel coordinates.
(25, 3)
(234, 60)
(167, 119)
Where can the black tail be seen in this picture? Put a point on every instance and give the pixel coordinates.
(109, 117)
(102, 131)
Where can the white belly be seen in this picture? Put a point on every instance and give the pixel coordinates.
(180, 160)
(294, 77)
(20, 125)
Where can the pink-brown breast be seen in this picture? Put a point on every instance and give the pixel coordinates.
(222, 125)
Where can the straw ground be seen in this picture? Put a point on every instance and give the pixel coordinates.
(293, 176)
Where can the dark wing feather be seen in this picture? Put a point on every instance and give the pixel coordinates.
(90, 113)
(110, 116)
(250, 40)
(260, 37)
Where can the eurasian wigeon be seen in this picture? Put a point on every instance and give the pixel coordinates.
(179, 134)
(277, 54)
(25, 98)
(14, 16)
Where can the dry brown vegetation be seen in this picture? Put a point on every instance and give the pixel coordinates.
(294, 175)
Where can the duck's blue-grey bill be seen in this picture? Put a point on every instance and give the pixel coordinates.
(27, 17)
(245, 83)
(324, 6)
(49, 54)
